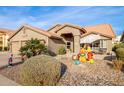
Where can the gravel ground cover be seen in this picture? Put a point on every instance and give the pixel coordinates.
(100, 73)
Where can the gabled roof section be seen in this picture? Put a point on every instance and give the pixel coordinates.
(58, 27)
(104, 29)
(54, 27)
(41, 31)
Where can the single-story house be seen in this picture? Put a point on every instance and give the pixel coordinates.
(122, 38)
(71, 37)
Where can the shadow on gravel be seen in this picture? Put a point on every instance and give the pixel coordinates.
(14, 64)
(109, 57)
(110, 64)
(63, 69)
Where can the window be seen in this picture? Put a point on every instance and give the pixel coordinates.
(103, 44)
(68, 45)
(96, 44)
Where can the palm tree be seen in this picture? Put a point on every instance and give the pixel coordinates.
(33, 47)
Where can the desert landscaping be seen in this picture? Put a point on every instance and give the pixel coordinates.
(101, 73)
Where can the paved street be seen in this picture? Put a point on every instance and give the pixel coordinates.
(7, 82)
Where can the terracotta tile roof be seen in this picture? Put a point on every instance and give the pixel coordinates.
(55, 35)
(7, 31)
(56, 28)
(41, 31)
(104, 29)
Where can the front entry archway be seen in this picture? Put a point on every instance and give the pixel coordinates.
(68, 38)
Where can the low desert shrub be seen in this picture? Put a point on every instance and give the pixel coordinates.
(117, 64)
(116, 46)
(120, 53)
(62, 50)
(40, 70)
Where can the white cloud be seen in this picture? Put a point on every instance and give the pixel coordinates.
(45, 17)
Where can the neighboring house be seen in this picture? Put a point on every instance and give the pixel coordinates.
(70, 36)
(99, 37)
(122, 38)
(4, 35)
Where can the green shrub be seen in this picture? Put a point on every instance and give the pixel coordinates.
(33, 47)
(40, 70)
(120, 53)
(61, 50)
(5, 48)
(116, 46)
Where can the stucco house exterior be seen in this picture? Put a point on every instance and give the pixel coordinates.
(4, 35)
(70, 36)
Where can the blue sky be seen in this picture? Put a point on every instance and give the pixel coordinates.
(44, 17)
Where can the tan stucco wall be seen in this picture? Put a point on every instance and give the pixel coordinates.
(21, 37)
(76, 44)
(109, 45)
(54, 45)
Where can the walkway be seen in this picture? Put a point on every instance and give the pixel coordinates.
(7, 82)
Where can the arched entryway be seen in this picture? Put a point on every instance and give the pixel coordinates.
(72, 42)
(68, 38)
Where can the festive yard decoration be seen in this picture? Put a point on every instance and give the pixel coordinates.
(75, 58)
(82, 57)
(85, 55)
(77, 62)
(90, 55)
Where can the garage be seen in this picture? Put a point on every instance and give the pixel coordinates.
(15, 46)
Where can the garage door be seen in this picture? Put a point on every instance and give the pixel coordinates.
(15, 47)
